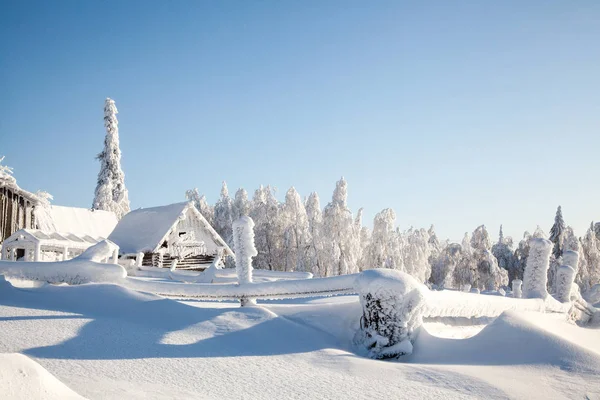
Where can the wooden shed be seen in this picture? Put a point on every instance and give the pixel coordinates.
(159, 235)
(16, 208)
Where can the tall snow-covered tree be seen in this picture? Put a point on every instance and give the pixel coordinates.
(489, 275)
(416, 254)
(296, 232)
(589, 269)
(337, 219)
(442, 273)
(111, 193)
(201, 204)
(556, 233)
(223, 219)
(505, 255)
(315, 227)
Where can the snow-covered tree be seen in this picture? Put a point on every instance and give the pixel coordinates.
(489, 275)
(296, 233)
(265, 211)
(315, 227)
(201, 204)
(382, 250)
(556, 233)
(6, 174)
(111, 193)
(223, 219)
(505, 255)
(465, 272)
(337, 220)
(416, 254)
(588, 274)
(442, 273)
(241, 204)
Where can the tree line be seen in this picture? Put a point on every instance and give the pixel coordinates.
(300, 235)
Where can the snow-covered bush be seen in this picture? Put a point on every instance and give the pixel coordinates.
(565, 275)
(243, 241)
(536, 271)
(517, 288)
(392, 304)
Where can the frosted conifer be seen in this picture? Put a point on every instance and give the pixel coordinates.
(111, 193)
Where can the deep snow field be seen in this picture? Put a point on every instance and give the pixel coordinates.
(103, 341)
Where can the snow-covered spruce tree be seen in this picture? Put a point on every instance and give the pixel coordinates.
(201, 205)
(315, 227)
(505, 255)
(556, 233)
(111, 193)
(241, 204)
(521, 254)
(337, 221)
(536, 272)
(296, 232)
(265, 211)
(435, 247)
(382, 251)
(360, 240)
(223, 219)
(243, 243)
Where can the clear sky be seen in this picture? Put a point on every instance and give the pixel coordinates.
(456, 113)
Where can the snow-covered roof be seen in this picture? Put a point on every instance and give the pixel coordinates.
(51, 238)
(145, 229)
(78, 221)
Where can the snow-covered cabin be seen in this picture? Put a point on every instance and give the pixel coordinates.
(62, 233)
(156, 236)
(16, 207)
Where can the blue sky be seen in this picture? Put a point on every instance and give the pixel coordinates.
(452, 113)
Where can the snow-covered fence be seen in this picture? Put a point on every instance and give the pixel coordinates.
(392, 308)
(343, 284)
(535, 277)
(85, 268)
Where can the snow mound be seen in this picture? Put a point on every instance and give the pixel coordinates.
(23, 378)
(517, 338)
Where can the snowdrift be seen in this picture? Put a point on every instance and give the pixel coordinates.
(23, 378)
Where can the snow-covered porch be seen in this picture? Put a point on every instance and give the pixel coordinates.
(37, 245)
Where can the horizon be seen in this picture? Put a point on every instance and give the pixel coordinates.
(420, 109)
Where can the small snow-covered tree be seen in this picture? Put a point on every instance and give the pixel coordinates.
(296, 232)
(588, 274)
(201, 204)
(536, 272)
(337, 221)
(223, 219)
(111, 193)
(556, 233)
(521, 254)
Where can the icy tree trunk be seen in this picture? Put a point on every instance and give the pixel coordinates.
(392, 304)
(565, 276)
(517, 288)
(536, 272)
(243, 242)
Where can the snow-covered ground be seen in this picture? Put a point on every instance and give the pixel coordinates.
(105, 341)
